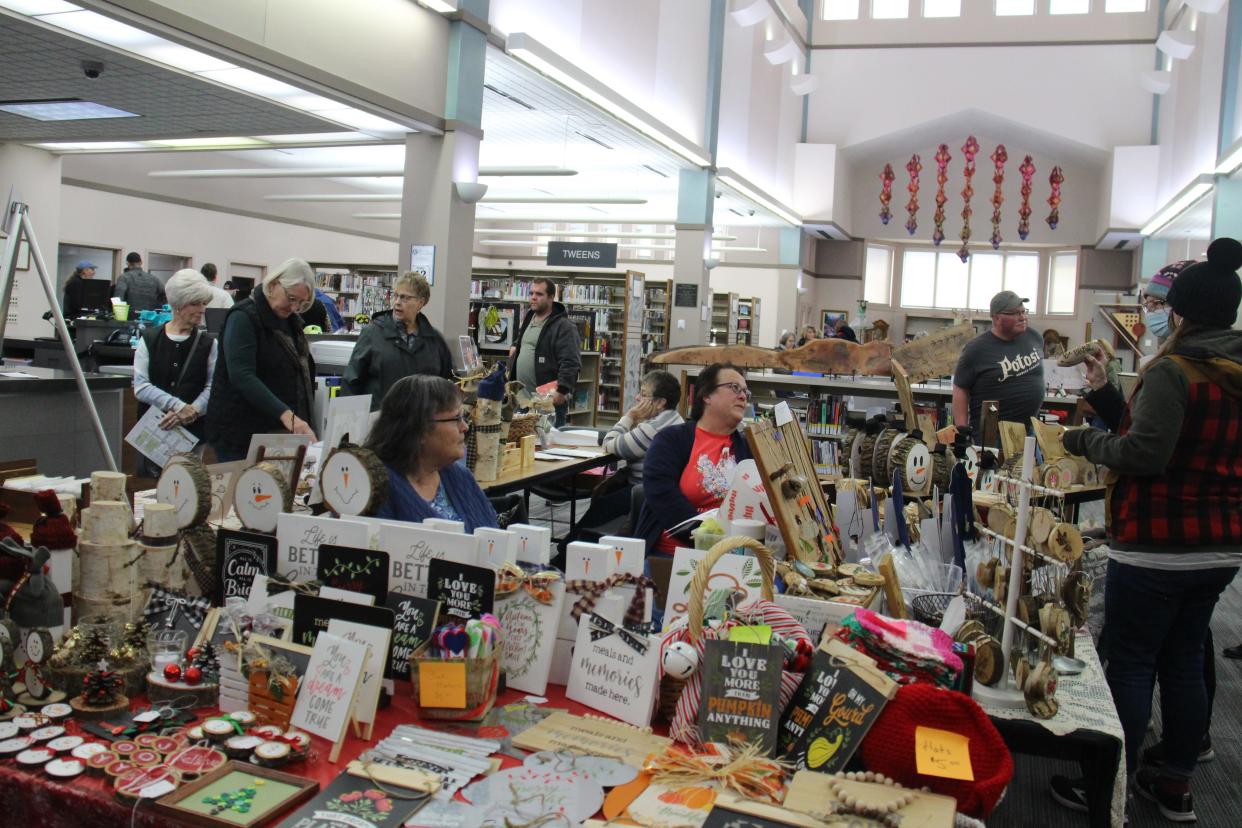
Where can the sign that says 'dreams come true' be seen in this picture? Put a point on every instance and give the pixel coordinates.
(582, 254)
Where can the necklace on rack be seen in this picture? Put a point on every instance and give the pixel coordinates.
(848, 803)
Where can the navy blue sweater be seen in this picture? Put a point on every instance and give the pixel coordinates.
(463, 492)
(663, 503)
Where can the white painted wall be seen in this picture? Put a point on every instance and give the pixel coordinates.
(775, 288)
(32, 176)
(652, 52)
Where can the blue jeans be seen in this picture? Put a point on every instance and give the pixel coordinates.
(1155, 621)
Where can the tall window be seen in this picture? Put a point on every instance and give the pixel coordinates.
(1069, 6)
(890, 9)
(1124, 6)
(840, 9)
(939, 279)
(1006, 8)
(1062, 282)
(878, 275)
(942, 8)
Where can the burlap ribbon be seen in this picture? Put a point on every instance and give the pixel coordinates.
(277, 584)
(538, 585)
(592, 591)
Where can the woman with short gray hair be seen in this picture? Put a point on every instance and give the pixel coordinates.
(265, 381)
(174, 363)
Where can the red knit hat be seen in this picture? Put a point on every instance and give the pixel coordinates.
(889, 745)
(53, 530)
(7, 531)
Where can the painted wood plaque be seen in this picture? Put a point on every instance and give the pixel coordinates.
(300, 536)
(354, 569)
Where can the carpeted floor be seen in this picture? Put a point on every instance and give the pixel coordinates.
(1027, 803)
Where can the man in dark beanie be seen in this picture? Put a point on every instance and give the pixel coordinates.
(1175, 519)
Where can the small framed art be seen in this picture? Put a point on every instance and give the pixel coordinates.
(238, 794)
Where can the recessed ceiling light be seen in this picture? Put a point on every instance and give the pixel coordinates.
(56, 146)
(38, 6)
(316, 137)
(204, 143)
(103, 29)
(69, 109)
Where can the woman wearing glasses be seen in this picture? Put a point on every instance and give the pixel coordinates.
(397, 343)
(421, 437)
(264, 383)
(690, 466)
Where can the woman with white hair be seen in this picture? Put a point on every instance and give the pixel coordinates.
(174, 363)
(265, 381)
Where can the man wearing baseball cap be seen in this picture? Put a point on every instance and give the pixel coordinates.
(1004, 364)
(71, 304)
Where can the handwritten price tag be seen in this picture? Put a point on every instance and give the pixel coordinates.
(942, 753)
(442, 684)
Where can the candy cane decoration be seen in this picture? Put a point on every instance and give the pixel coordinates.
(886, 192)
(1054, 200)
(999, 157)
(1024, 212)
(942, 177)
(914, 166)
(970, 149)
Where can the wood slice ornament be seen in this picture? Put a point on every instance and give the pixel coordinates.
(989, 660)
(262, 494)
(1067, 474)
(866, 451)
(185, 484)
(890, 466)
(1040, 527)
(354, 481)
(942, 468)
(1088, 472)
(879, 456)
(999, 517)
(1074, 356)
(1065, 542)
(1039, 691)
(913, 462)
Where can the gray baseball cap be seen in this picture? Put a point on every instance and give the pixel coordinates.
(1007, 300)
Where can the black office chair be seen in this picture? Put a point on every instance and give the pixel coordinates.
(509, 508)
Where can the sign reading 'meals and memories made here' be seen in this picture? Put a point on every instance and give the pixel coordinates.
(582, 254)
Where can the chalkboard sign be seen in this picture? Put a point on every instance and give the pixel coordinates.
(354, 569)
(830, 713)
(239, 557)
(685, 295)
(414, 619)
(311, 615)
(463, 591)
(741, 693)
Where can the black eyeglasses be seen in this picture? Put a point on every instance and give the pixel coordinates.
(737, 388)
(1018, 312)
(461, 418)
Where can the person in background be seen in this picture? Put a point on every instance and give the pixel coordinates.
(1175, 521)
(421, 438)
(786, 341)
(690, 466)
(219, 298)
(1003, 364)
(335, 320)
(397, 343)
(71, 304)
(841, 330)
(548, 349)
(808, 333)
(654, 408)
(264, 383)
(316, 316)
(174, 363)
(138, 288)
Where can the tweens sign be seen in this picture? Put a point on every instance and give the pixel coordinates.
(582, 254)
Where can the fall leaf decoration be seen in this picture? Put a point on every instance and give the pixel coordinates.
(942, 178)
(749, 773)
(999, 156)
(1024, 212)
(886, 192)
(914, 166)
(1054, 199)
(969, 149)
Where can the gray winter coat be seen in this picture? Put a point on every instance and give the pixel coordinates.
(382, 357)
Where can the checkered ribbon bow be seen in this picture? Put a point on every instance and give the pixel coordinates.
(635, 636)
(592, 591)
(175, 601)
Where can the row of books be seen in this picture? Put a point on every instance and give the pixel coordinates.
(825, 415)
(829, 459)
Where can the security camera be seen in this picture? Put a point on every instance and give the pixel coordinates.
(750, 212)
(719, 194)
(92, 68)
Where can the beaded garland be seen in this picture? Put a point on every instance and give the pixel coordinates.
(884, 813)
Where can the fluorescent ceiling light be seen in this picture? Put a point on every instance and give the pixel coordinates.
(1231, 161)
(536, 172)
(358, 119)
(60, 146)
(752, 14)
(441, 6)
(588, 199)
(104, 29)
(316, 137)
(38, 6)
(67, 110)
(181, 57)
(534, 54)
(1177, 44)
(253, 82)
(782, 53)
(1196, 190)
(1156, 81)
(348, 172)
(734, 181)
(206, 143)
(591, 234)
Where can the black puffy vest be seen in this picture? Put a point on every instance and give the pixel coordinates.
(166, 359)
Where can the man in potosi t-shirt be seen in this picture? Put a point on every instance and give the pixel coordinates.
(1003, 364)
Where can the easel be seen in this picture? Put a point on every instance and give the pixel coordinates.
(18, 227)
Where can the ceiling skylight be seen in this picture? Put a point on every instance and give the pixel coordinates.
(840, 9)
(64, 110)
(890, 9)
(1124, 6)
(1069, 6)
(942, 8)
(1007, 8)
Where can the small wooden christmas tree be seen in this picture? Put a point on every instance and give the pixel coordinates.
(102, 693)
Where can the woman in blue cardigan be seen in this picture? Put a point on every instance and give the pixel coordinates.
(690, 467)
(420, 436)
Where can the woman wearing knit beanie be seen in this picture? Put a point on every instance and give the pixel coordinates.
(1175, 518)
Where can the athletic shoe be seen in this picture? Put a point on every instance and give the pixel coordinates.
(1155, 757)
(1072, 793)
(1173, 798)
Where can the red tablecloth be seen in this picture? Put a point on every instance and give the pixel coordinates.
(29, 799)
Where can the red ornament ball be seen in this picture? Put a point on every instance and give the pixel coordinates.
(172, 672)
(191, 653)
(193, 675)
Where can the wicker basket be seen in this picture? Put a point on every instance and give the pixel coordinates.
(929, 608)
(670, 687)
(521, 426)
(482, 677)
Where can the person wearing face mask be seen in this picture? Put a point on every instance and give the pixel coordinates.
(1175, 520)
(690, 466)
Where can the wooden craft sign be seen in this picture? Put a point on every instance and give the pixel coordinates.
(354, 569)
(327, 696)
(413, 620)
(614, 670)
(530, 627)
(736, 572)
(240, 556)
(741, 693)
(370, 683)
(597, 737)
(312, 615)
(463, 591)
(300, 537)
(412, 547)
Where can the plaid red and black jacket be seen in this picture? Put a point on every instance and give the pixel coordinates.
(1197, 501)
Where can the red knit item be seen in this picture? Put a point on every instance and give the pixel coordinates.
(7, 531)
(889, 746)
(53, 530)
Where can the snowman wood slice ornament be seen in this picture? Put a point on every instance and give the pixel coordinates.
(914, 463)
(353, 481)
(185, 485)
(38, 646)
(263, 493)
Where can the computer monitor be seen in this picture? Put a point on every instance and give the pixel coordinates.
(214, 319)
(242, 284)
(96, 295)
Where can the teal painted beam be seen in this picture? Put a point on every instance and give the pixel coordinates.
(715, 69)
(1230, 128)
(467, 61)
(696, 197)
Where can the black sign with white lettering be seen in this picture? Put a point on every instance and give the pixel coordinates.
(582, 254)
(463, 591)
(239, 557)
(685, 295)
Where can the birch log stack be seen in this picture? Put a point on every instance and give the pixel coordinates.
(160, 562)
(108, 485)
(487, 424)
(107, 583)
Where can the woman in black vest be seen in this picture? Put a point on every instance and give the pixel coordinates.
(265, 382)
(173, 363)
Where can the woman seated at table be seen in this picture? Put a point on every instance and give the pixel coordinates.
(397, 343)
(421, 437)
(690, 466)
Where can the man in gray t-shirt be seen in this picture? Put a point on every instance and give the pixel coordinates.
(526, 354)
(1003, 364)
